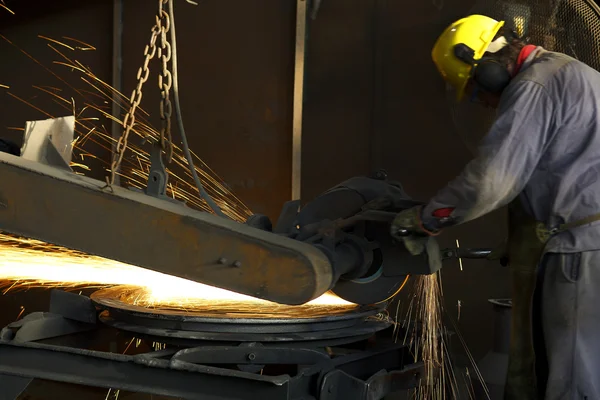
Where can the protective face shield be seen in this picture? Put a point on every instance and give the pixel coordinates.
(471, 120)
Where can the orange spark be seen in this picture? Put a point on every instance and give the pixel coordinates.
(87, 46)
(56, 41)
(6, 8)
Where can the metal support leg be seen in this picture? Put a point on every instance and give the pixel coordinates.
(11, 387)
(301, 14)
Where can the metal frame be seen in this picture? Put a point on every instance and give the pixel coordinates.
(84, 214)
(197, 372)
(169, 373)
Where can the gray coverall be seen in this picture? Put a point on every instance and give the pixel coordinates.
(544, 151)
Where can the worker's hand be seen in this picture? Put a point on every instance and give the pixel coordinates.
(408, 228)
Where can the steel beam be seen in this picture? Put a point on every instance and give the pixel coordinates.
(81, 213)
(140, 374)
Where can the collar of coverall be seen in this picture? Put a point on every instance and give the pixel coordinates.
(528, 53)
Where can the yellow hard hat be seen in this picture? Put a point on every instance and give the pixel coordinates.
(477, 32)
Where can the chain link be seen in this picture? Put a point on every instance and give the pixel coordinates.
(165, 81)
(159, 31)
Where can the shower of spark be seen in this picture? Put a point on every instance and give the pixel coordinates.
(26, 263)
(431, 338)
(423, 326)
(92, 108)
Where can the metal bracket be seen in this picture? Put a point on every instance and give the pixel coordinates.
(49, 141)
(73, 306)
(13, 386)
(158, 177)
(250, 355)
(42, 325)
(287, 217)
(339, 385)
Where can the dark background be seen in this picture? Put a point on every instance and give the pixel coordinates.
(372, 100)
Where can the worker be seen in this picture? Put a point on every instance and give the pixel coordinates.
(541, 157)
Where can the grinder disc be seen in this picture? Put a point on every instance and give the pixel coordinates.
(374, 289)
(385, 277)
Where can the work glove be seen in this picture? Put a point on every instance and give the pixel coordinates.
(408, 228)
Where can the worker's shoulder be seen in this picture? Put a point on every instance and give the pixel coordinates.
(551, 68)
(545, 67)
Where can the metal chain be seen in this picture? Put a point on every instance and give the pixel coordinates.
(164, 51)
(165, 81)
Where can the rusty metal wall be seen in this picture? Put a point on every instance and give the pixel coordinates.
(374, 100)
(339, 94)
(90, 22)
(236, 80)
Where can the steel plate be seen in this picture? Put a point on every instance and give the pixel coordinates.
(200, 325)
(363, 329)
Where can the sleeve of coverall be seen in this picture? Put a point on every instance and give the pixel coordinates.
(506, 157)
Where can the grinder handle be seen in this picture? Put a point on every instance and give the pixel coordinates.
(476, 253)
